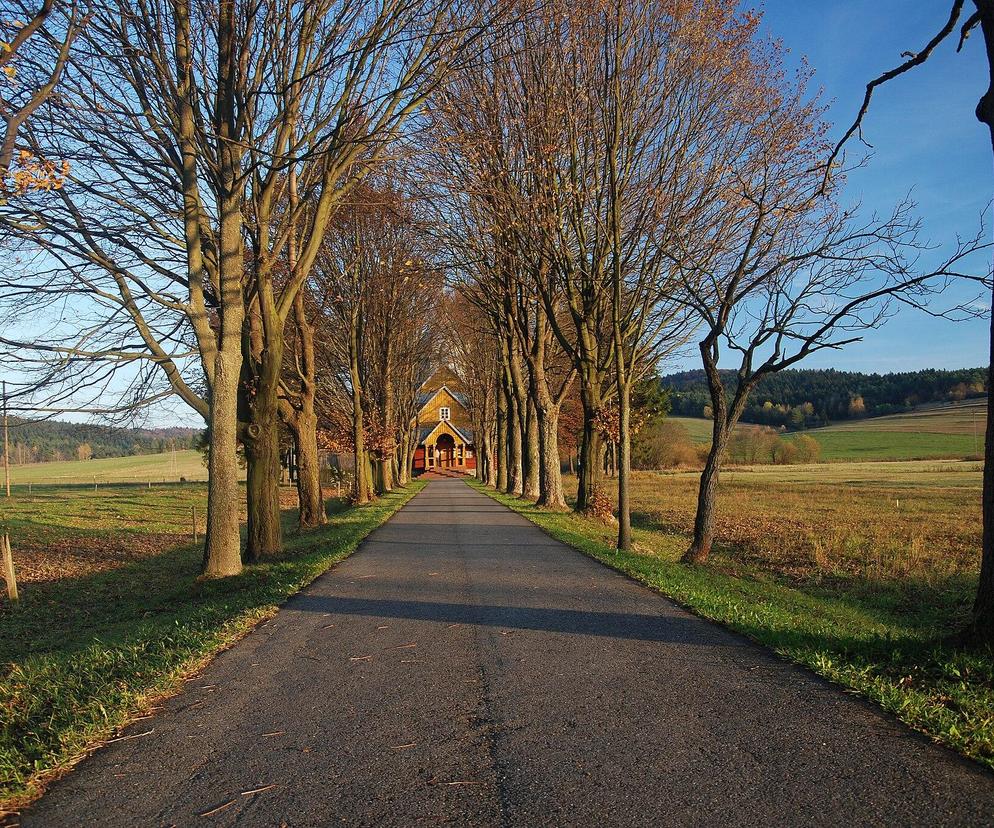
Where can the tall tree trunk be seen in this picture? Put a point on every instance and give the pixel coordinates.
(552, 495)
(386, 461)
(384, 472)
(532, 457)
(983, 606)
(590, 471)
(304, 426)
(700, 548)
(726, 415)
(623, 464)
(262, 443)
(221, 356)
(491, 475)
(546, 407)
(523, 474)
(501, 448)
(309, 491)
(222, 552)
(303, 421)
(515, 470)
(411, 449)
(262, 485)
(362, 488)
(403, 466)
(222, 545)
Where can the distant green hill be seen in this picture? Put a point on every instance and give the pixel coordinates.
(798, 399)
(950, 431)
(41, 441)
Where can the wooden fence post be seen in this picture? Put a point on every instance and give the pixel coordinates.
(8, 568)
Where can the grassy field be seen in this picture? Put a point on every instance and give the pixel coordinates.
(869, 444)
(100, 635)
(157, 468)
(698, 428)
(860, 571)
(968, 418)
(939, 432)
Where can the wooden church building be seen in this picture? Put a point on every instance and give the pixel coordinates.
(443, 427)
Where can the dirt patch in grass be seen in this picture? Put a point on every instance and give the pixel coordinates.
(74, 532)
(79, 557)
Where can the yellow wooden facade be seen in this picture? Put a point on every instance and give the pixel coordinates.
(444, 428)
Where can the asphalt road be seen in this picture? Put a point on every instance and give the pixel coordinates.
(463, 668)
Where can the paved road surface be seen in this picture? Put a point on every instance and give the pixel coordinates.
(463, 668)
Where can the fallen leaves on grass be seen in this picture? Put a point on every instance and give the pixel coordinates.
(80, 556)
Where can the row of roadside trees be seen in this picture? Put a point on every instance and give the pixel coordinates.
(629, 178)
(210, 150)
(254, 199)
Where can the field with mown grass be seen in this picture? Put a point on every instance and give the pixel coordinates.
(860, 571)
(953, 431)
(113, 616)
(169, 467)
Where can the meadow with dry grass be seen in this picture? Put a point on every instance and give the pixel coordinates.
(916, 523)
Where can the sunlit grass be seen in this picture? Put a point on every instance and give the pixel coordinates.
(157, 468)
(940, 432)
(81, 655)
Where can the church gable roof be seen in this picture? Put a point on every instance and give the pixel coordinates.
(428, 430)
(426, 397)
(444, 376)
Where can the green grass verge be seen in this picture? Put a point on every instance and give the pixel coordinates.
(893, 445)
(892, 653)
(81, 657)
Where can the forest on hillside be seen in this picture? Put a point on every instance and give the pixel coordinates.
(39, 441)
(799, 399)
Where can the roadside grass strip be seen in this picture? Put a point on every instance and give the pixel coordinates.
(67, 688)
(894, 653)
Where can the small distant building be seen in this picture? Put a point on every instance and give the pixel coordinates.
(444, 428)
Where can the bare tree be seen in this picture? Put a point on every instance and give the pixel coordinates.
(376, 286)
(475, 355)
(982, 17)
(773, 268)
(186, 130)
(363, 71)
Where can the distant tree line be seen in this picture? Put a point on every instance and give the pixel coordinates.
(39, 441)
(800, 399)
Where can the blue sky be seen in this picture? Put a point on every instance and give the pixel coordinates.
(926, 140)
